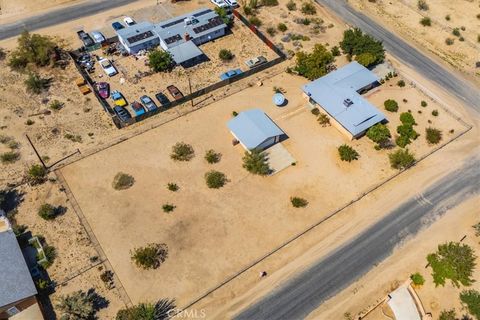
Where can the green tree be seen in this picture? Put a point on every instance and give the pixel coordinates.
(160, 60)
(453, 261)
(417, 279)
(255, 162)
(32, 48)
(76, 306)
(448, 315)
(391, 105)
(356, 43)
(407, 118)
(347, 153)
(151, 256)
(313, 65)
(401, 159)
(222, 13)
(471, 300)
(366, 59)
(379, 134)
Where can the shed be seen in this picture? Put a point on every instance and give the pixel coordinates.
(255, 130)
(186, 54)
(403, 304)
(338, 94)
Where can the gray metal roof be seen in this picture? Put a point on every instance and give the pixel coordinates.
(15, 280)
(253, 127)
(332, 90)
(203, 22)
(184, 52)
(138, 33)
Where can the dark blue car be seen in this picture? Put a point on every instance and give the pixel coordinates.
(117, 26)
(122, 113)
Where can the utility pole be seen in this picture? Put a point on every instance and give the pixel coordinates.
(190, 86)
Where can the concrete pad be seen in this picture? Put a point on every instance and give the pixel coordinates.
(279, 158)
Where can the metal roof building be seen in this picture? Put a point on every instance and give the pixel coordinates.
(255, 130)
(16, 284)
(338, 94)
(138, 37)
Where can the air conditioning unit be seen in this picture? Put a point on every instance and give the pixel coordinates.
(347, 102)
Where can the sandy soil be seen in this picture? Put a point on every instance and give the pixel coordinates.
(403, 16)
(11, 9)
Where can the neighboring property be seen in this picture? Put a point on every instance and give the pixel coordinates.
(405, 304)
(180, 35)
(338, 94)
(17, 290)
(255, 130)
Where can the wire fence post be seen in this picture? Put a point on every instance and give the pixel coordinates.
(36, 152)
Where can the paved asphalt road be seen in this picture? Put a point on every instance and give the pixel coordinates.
(58, 16)
(304, 293)
(413, 58)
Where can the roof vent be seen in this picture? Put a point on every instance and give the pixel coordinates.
(347, 102)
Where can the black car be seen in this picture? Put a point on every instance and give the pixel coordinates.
(164, 102)
(122, 113)
(86, 39)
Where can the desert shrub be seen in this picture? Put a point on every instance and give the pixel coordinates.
(422, 5)
(271, 31)
(255, 21)
(435, 113)
(335, 51)
(308, 8)
(401, 83)
(160, 60)
(447, 17)
(315, 64)
(471, 300)
(247, 10)
(269, 3)
(9, 157)
(151, 256)
(417, 279)
(401, 159)
(453, 261)
(461, 39)
(168, 207)
(426, 22)
(76, 306)
(47, 211)
(32, 49)
(3, 54)
(315, 111)
(215, 179)
(50, 254)
(402, 141)
(256, 162)
(379, 134)
(391, 105)
(29, 122)
(291, 5)
(424, 103)
(161, 310)
(456, 32)
(282, 27)
(433, 135)
(347, 153)
(172, 186)
(182, 152)
(55, 105)
(122, 181)
(407, 118)
(448, 315)
(476, 227)
(406, 130)
(234, 113)
(356, 43)
(298, 202)
(35, 84)
(37, 174)
(212, 157)
(73, 137)
(225, 55)
(449, 41)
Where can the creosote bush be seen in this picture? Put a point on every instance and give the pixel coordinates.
(433, 135)
(291, 5)
(255, 21)
(172, 186)
(225, 55)
(308, 8)
(122, 181)
(426, 22)
(298, 202)
(401, 159)
(168, 207)
(182, 152)
(422, 5)
(151, 256)
(315, 111)
(449, 41)
(401, 83)
(9, 157)
(255, 162)
(347, 153)
(37, 174)
(424, 103)
(212, 157)
(56, 105)
(391, 105)
(282, 27)
(417, 279)
(435, 113)
(47, 211)
(215, 179)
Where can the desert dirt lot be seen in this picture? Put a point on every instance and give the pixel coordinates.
(210, 225)
(404, 16)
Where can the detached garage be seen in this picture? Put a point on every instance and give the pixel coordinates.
(255, 130)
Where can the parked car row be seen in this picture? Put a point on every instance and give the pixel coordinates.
(225, 3)
(96, 37)
(128, 22)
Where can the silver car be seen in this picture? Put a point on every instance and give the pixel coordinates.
(98, 37)
(255, 62)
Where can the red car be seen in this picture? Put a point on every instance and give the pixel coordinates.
(103, 90)
(176, 94)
